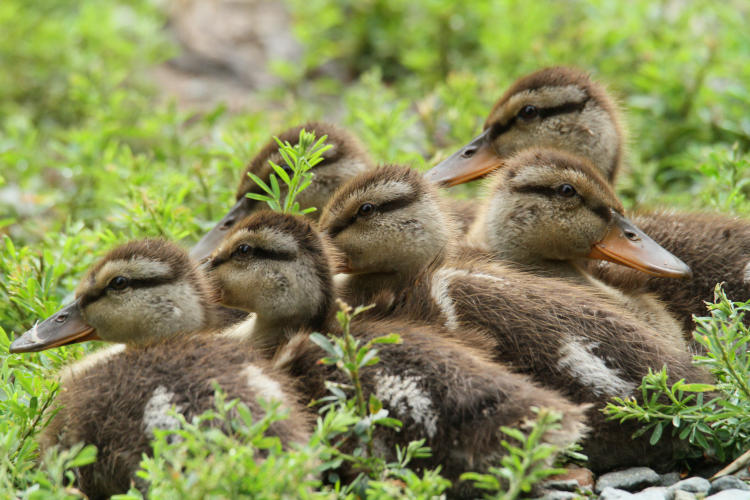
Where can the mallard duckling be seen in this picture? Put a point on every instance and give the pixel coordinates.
(445, 391)
(389, 225)
(147, 297)
(345, 159)
(563, 108)
(548, 209)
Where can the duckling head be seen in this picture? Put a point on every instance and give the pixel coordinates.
(548, 205)
(388, 220)
(556, 107)
(345, 159)
(139, 293)
(278, 266)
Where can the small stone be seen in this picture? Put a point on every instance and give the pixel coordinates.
(609, 493)
(559, 495)
(728, 483)
(669, 478)
(654, 493)
(684, 495)
(633, 479)
(693, 485)
(731, 494)
(561, 484)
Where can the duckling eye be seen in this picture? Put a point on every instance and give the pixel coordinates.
(566, 190)
(118, 283)
(243, 249)
(366, 209)
(528, 112)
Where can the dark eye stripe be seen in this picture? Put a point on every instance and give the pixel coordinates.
(568, 107)
(535, 189)
(389, 206)
(600, 211)
(134, 283)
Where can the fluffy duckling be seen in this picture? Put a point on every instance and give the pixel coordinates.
(443, 390)
(548, 209)
(389, 225)
(147, 297)
(345, 159)
(563, 108)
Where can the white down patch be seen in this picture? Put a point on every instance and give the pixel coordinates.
(156, 413)
(746, 274)
(406, 399)
(264, 386)
(577, 359)
(440, 292)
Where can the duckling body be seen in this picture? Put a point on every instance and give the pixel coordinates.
(148, 297)
(563, 108)
(547, 210)
(443, 390)
(545, 328)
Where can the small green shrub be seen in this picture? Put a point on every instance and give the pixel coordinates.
(719, 427)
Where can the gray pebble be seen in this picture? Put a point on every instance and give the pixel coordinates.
(731, 494)
(559, 495)
(655, 493)
(669, 478)
(693, 485)
(728, 483)
(609, 493)
(633, 479)
(684, 495)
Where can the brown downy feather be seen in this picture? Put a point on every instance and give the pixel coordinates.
(712, 245)
(525, 222)
(115, 397)
(443, 390)
(547, 329)
(117, 404)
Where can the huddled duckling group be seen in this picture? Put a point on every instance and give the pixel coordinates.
(543, 294)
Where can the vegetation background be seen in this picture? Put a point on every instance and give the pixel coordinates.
(93, 151)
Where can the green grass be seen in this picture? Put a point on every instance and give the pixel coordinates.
(91, 156)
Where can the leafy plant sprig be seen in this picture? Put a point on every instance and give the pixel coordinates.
(300, 158)
(348, 355)
(525, 464)
(719, 427)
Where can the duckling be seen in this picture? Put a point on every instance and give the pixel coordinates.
(389, 225)
(445, 391)
(563, 108)
(345, 159)
(547, 209)
(148, 298)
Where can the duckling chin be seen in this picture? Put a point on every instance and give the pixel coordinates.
(564, 109)
(149, 298)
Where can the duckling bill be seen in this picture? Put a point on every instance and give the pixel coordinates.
(66, 326)
(625, 244)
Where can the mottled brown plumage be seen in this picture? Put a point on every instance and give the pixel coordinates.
(116, 397)
(548, 329)
(714, 246)
(442, 389)
(529, 221)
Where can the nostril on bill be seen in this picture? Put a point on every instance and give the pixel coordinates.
(469, 152)
(227, 224)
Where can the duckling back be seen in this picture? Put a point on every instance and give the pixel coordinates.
(117, 400)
